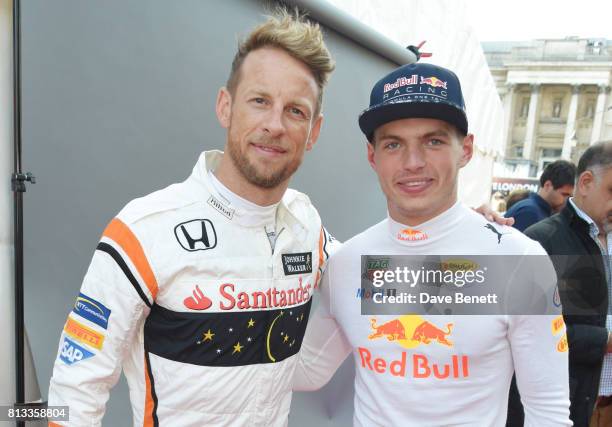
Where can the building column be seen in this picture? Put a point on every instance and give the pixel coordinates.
(508, 103)
(570, 127)
(599, 113)
(531, 123)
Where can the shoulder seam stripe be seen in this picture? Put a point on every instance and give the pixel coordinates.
(105, 247)
(123, 236)
(150, 415)
(325, 234)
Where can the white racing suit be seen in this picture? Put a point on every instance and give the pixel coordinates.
(439, 370)
(191, 300)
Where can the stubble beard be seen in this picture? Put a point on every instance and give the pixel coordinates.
(255, 176)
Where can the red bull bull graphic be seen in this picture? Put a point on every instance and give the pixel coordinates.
(433, 82)
(393, 330)
(410, 331)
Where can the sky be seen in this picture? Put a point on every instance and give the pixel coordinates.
(495, 20)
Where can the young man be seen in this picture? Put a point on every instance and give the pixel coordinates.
(556, 185)
(187, 283)
(423, 370)
(581, 234)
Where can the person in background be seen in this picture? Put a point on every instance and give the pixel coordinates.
(516, 196)
(556, 185)
(582, 230)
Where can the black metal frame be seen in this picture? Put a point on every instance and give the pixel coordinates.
(18, 186)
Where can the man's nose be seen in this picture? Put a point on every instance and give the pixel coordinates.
(414, 157)
(273, 123)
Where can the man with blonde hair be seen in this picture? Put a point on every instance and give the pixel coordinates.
(201, 291)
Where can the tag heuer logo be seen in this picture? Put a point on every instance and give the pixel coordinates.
(299, 263)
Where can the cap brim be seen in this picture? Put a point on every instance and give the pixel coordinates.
(375, 117)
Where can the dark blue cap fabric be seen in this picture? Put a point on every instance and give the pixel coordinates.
(415, 91)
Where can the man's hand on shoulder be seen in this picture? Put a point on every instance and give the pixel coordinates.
(491, 215)
(609, 347)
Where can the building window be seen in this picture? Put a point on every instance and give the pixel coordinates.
(589, 110)
(556, 107)
(551, 152)
(518, 151)
(524, 111)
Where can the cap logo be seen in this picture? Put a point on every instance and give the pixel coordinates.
(433, 81)
(402, 81)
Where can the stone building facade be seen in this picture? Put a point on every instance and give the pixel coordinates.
(556, 98)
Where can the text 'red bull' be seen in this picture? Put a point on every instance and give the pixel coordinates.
(422, 366)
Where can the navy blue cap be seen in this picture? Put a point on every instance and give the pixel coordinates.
(415, 91)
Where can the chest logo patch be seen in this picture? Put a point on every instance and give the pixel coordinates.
(196, 235)
(298, 263)
(198, 301)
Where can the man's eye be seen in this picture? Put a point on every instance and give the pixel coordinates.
(296, 111)
(259, 100)
(392, 145)
(435, 142)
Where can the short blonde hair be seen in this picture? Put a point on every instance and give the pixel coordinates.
(293, 33)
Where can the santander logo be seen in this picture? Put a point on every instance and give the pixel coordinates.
(411, 235)
(198, 301)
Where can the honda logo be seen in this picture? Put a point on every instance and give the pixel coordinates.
(196, 235)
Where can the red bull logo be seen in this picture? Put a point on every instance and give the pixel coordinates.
(433, 82)
(411, 235)
(422, 366)
(411, 331)
(402, 81)
(558, 326)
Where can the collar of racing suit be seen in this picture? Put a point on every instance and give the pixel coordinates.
(208, 161)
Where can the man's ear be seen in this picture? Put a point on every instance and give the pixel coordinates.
(585, 181)
(223, 107)
(371, 159)
(315, 130)
(467, 148)
(548, 185)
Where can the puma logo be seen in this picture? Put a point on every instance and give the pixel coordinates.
(494, 230)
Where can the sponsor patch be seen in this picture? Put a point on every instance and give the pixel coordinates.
(411, 235)
(196, 235)
(557, 325)
(198, 301)
(84, 334)
(298, 263)
(562, 345)
(73, 353)
(92, 310)
(556, 298)
(220, 207)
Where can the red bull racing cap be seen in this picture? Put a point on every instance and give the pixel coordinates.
(415, 91)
